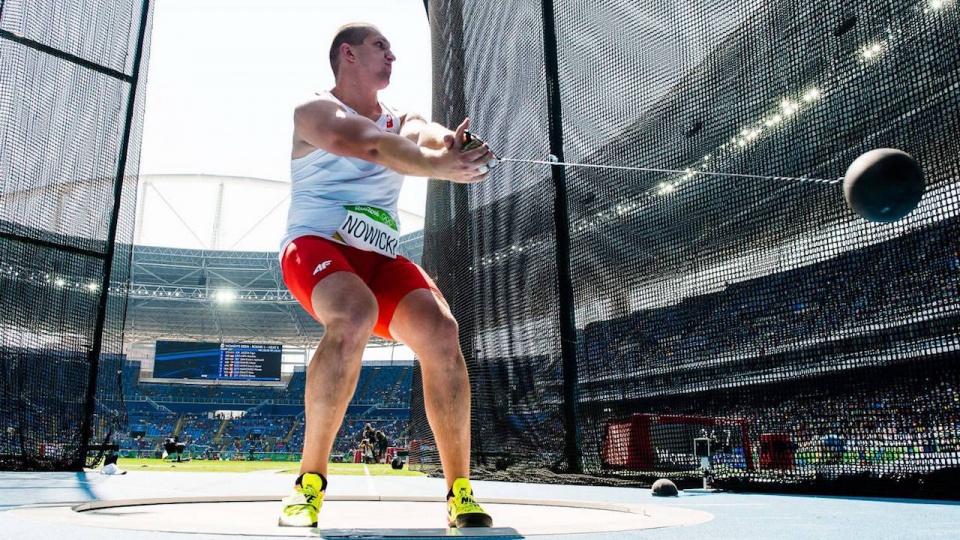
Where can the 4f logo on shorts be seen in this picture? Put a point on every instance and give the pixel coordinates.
(321, 267)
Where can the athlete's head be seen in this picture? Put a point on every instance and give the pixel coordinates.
(360, 50)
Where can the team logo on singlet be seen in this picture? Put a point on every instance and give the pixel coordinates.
(371, 229)
(389, 121)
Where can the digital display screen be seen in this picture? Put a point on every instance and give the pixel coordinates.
(217, 361)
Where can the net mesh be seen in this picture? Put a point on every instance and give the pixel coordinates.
(764, 300)
(65, 82)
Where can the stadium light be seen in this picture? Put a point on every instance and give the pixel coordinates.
(225, 296)
(869, 52)
(788, 107)
(93, 287)
(665, 188)
(811, 95)
(936, 6)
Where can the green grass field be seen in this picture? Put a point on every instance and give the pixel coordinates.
(281, 467)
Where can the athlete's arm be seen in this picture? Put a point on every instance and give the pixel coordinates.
(323, 124)
(425, 134)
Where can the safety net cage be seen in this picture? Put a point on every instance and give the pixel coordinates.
(71, 111)
(640, 319)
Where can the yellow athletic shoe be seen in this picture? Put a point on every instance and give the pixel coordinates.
(462, 510)
(300, 509)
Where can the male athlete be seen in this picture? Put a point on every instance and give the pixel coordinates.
(339, 259)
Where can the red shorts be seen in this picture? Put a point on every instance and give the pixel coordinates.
(309, 259)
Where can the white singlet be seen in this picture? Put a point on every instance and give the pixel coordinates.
(322, 184)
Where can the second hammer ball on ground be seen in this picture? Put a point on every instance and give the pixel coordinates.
(664, 488)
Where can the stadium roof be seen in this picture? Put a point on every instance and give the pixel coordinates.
(210, 212)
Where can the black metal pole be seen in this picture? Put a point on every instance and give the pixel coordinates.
(568, 329)
(57, 53)
(454, 243)
(51, 245)
(94, 359)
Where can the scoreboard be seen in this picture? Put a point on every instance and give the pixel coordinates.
(217, 361)
(239, 361)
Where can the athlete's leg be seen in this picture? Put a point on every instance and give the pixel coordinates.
(325, 282)
(348, 311)
(423, 322)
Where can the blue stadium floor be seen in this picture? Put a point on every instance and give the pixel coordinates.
(25, 496)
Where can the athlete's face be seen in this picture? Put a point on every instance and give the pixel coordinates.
(376, 59)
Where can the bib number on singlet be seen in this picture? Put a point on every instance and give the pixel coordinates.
(371, 229)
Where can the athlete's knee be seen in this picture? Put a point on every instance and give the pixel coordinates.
(345, 341)
(360, 317)
(443, 335)
(446, 328)
(356, 311)
(352, 325)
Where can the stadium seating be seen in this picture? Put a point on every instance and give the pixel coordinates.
(272, 421)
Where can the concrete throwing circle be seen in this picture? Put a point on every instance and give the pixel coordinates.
(362, 517)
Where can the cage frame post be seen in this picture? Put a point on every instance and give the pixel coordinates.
(568, 329)
(95, 350)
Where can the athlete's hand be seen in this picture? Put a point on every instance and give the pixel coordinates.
(463, 166)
